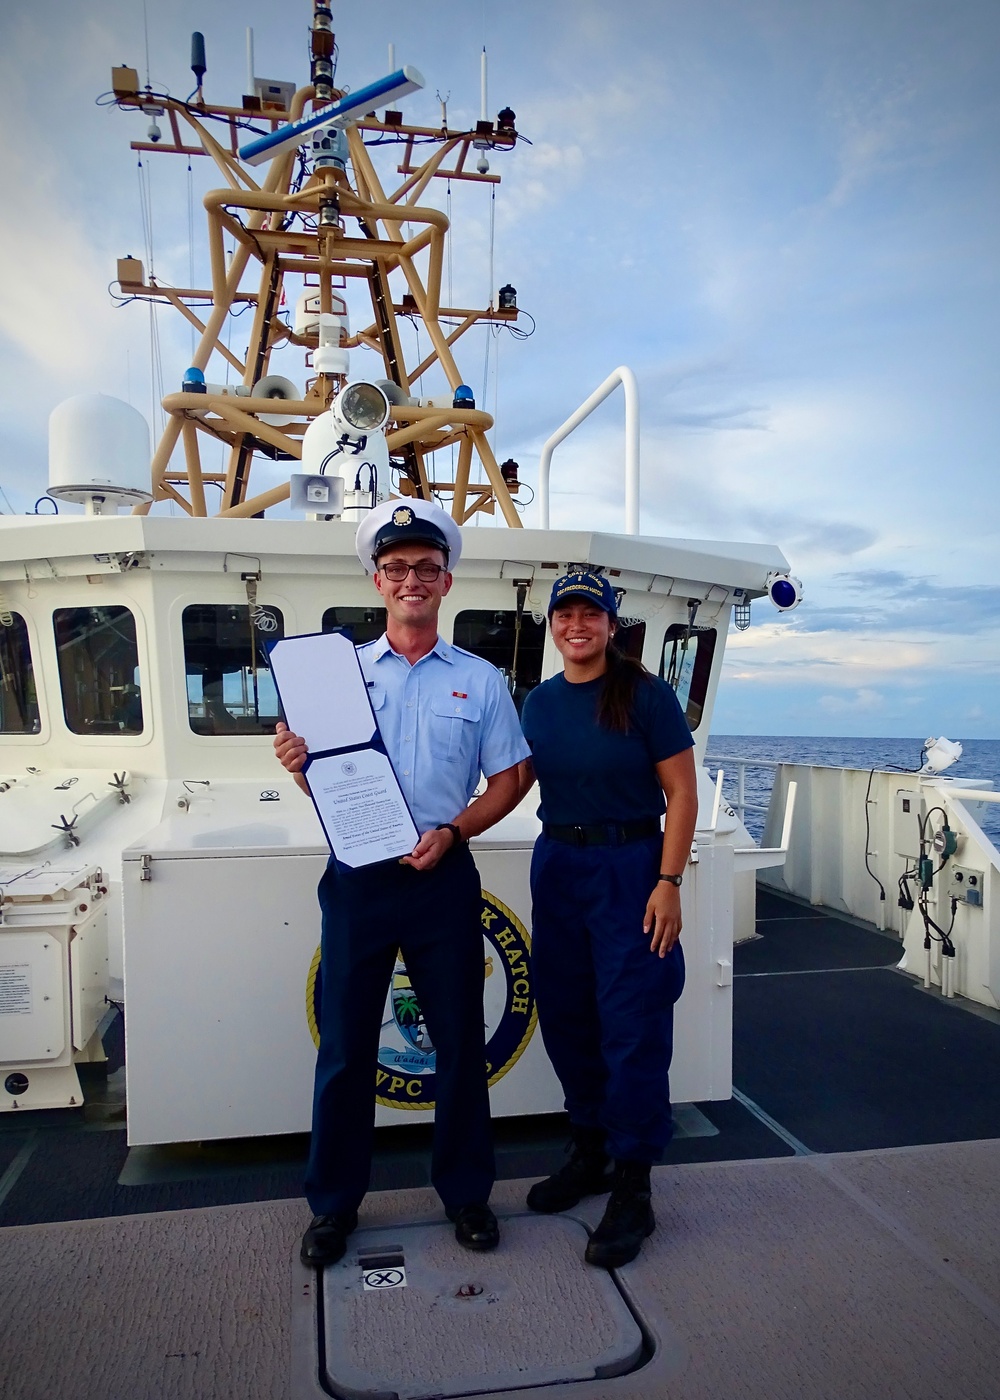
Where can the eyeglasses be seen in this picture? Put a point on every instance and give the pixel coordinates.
(396, 571)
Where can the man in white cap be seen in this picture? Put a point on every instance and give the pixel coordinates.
(446, 718)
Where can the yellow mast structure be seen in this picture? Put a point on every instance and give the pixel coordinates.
(395, 234)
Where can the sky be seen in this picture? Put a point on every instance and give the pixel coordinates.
(781, 214)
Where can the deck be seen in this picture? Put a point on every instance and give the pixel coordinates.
(829, 1232)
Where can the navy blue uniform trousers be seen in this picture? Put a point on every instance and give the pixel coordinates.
(434, 918)
(605, 1002)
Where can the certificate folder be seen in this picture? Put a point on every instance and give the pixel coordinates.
(351, 779)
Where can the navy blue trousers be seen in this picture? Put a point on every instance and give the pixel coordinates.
(433, 918)
(605, 1002)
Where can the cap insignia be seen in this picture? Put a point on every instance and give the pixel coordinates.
(403, 516)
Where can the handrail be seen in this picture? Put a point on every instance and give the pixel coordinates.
(623, 376)
(786, 832)
(718, 797)
(970, 794)
(748, 762)
(742, 764)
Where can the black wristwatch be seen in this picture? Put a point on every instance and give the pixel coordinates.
(450, 826)
(671, 879)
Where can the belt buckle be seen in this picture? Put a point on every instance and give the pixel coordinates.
(579, 836)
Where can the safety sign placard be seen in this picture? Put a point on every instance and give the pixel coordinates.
(375, 1280)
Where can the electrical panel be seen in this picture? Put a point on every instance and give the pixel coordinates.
(964, 884)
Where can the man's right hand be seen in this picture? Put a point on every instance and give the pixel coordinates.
(290, 749)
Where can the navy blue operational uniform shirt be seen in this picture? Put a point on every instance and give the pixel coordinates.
(589, 774)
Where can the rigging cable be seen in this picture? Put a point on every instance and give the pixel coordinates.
(190, 212)
(155, 360)
(451, 290)
(496, 389)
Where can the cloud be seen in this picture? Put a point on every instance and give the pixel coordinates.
(863, 701)
(889, 600)
(875, 130)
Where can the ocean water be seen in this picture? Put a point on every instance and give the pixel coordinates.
(980, 759)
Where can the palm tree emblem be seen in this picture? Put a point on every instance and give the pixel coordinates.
(407, 1008)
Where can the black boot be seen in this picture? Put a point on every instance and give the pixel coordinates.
(627, 1220)
(585, 1174)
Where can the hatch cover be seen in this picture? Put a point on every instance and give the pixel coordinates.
(409, 1313)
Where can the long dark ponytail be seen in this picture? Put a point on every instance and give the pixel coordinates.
(621, 681)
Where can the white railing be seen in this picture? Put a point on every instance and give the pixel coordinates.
(732, 761)
(623, 376)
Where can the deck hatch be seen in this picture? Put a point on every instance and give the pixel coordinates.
(531, 1314)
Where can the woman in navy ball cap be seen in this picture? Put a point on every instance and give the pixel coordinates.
(610, 747)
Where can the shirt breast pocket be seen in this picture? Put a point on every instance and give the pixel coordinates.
(454, 729)
(376, 694)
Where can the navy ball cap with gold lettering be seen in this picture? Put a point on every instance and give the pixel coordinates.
(407, 521)
(584, 587)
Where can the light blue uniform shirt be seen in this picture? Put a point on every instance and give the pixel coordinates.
(444, 722)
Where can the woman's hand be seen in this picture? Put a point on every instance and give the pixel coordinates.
(290, 749)
(663, 917)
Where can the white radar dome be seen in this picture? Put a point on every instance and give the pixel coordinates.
(98, 452)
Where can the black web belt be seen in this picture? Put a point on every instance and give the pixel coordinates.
(604, 833)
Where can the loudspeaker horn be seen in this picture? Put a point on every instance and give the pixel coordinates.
(276, 386)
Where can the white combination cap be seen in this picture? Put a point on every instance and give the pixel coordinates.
(407, 520)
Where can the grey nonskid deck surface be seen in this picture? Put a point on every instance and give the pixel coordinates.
(871, 1274)
(437, 1320)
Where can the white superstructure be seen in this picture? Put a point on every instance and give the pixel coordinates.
(136, 719)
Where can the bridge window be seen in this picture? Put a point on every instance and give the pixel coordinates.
(514, 646)
(686, 664)
(18, 701)
(631, 636)
(363, 624)
(98, 670)
(229, 685)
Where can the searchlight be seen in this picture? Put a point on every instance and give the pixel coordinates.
(784, 590)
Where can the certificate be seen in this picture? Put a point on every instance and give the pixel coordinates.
(351, 779)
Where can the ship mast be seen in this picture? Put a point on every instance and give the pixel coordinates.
(339, 224)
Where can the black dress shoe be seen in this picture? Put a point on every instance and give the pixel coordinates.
(326, 1239)
(475, 1226)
